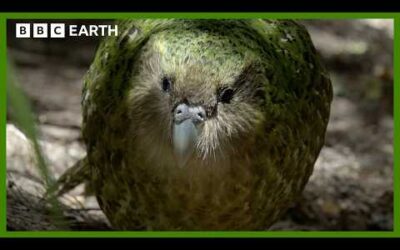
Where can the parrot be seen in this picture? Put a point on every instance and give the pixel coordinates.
(201, 124)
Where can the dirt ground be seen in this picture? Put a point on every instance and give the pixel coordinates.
(352, 184)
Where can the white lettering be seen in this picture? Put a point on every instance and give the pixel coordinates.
(113, 30)
(40, 30)
(23, 30)
(93, 30)
(73, 30)
(57, 30)
(83, 31)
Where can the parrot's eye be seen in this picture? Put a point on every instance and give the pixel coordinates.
(225, 95)
(166, 84)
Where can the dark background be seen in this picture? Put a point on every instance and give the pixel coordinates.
(352, 185)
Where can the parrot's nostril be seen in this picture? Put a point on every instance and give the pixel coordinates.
(200, 114)
(180, 109)
(196, 113)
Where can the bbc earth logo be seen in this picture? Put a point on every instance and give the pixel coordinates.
(61, 30)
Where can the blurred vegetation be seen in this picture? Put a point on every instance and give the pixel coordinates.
(23, 117)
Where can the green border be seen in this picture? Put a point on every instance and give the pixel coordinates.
(224, 234)
(396, 134)
(3, 103)
(196, 15)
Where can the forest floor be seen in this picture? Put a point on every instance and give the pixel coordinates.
(352, 184)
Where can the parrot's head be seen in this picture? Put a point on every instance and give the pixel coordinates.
(197, 97)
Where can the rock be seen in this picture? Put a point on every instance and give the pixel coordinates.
(26, 207)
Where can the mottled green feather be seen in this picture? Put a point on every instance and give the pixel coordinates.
(254, 155)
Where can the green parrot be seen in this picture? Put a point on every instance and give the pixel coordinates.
(201, 124)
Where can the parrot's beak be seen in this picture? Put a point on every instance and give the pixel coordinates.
(185, 131)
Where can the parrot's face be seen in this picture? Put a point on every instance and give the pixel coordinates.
(199, 102)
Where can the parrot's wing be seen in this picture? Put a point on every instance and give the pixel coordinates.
(77, 174)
